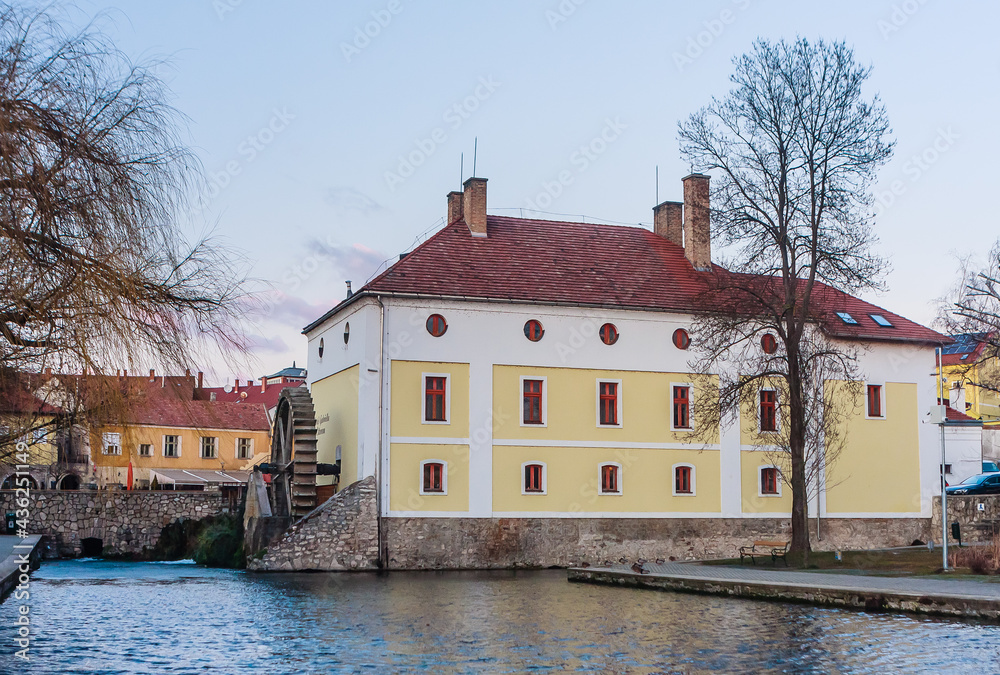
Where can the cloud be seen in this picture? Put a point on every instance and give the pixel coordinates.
(356, 262)
(348, 200)
(273, 344)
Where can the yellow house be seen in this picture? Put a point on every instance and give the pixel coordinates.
(27, 418)
(965, 368)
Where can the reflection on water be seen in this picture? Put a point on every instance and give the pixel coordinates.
(102, 617)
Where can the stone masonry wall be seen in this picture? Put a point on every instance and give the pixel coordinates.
(126, 522)
(979, 516)
(483, 543)
(341, 534)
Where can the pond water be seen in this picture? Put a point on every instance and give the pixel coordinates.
(93, 616)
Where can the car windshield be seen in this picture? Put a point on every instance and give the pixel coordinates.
(974, 480)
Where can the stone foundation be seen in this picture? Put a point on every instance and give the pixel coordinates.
(977, 525)
(125, 522)
(341, 534)
(488, 543)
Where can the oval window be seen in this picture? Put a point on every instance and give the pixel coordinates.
(768, 343)
(347, 332)
(609, 334)
(533, 330)
(321, 348)
(436, 325)
(681, 339)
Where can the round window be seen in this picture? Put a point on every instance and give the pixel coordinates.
(321, 348)
(436, 325)
(609, 334)
(347, 332)
(768, 343)
(533, 330)
(681, 339)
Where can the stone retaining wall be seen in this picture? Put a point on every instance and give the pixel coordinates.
(979, 516)
(341, 534)
(126, 522)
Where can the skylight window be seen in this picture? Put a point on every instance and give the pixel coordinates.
(881, 320)
(847, 318)
(964, 356)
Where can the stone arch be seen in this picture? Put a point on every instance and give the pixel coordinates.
(8, 482)
(69, 481)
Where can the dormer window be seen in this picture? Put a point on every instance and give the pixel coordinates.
(847, 318)
(881, 320)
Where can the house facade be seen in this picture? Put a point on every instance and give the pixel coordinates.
(535, 375)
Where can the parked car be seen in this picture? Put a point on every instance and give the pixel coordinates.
(980, 484)
(991, 467)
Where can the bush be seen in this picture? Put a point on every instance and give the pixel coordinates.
(220, 543)
(979, 559)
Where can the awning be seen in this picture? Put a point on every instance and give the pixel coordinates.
(199, 477)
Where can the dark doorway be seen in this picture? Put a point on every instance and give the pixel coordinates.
(92, 547)
(69, 482)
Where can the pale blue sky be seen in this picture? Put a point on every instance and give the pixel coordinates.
(534, 81)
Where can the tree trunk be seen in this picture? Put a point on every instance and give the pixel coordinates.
(797, 444)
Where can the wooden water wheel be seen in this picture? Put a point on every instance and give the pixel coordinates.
(293, 454)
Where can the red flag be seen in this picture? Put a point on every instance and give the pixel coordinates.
(128, 485)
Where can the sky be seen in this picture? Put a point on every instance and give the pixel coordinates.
(331, 132)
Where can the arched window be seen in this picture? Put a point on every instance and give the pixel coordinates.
(347, 332)
(533, 330)
(609, 334)
(768, 343)
(770, 481)
(436, 325)
(611, 478)
(533, 474)
(681, 339)
(322, 348)
(684, 480)
(433, 477)
(13, 482)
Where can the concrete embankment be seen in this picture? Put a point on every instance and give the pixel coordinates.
(17, 557)
(942, 597)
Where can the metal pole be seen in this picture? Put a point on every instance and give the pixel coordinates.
(944, 492)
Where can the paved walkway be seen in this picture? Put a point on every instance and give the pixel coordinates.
(11, 548)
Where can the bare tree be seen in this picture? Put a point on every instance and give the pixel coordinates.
(95, 271)
(793, 149)
(973, 307)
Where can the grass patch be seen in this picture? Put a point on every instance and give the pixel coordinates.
(905, 562)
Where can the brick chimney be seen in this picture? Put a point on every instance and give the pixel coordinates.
(201, 378)
(697, 221)
(454, 207)
(474, 206)
(263, 384)
(668, 221)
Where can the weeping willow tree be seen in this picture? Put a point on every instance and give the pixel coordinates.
(95, 271)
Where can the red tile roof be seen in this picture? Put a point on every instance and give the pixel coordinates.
(959, 416)
(251, 395)
(171, 412)
(550, 262)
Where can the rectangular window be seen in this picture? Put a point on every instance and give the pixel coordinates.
(682, 480)
(532, 413)
(769, 481)
(209, 447)
(609, 403)
(609, 478)
(145, 450)
(244, 448)
(682, 407)
(947, 468)
(433, 477)
(171, 446)
(768, 411)
(435, 392)
(111, 444)
(533, 478)
(875, 400)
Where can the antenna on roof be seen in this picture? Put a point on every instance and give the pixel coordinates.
(461, 171)
(475, 152)
(657, 183)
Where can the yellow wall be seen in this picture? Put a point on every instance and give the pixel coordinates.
(132, 437)
(408, 394)
(337, 422)
(572, 483)
(405, 477)
(42, 453)
(750, 463)
(879, 469)
(985, 404)
(572, 406)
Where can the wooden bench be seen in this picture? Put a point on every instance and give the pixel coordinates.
(765, 549)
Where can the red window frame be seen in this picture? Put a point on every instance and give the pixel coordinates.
(609, 479)
(433, 477)
(768, 343)
(682, 480)
(681, 339)
(609, 334)
(682, 407)
(436, 325)
(435, 398)
(609, 403)
(532, 477)
(531, 412)
(533, 330)
(875, 400)
(768, 410)
(769, 481)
